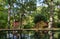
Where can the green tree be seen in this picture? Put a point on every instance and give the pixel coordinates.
(3, 15)
(39, 18)
(3, 20)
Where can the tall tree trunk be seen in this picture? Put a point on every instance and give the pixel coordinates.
(51, 19)
(9, 11)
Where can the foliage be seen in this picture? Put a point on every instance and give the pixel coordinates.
(39, 17)
(3, 20)
(31, 5)
(18, 7)
(57, 24)
(3, 16)
(28, 26)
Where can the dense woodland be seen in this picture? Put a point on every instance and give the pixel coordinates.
(27, 13)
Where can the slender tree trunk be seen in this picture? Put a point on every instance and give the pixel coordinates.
(9, 7)
(51, 19)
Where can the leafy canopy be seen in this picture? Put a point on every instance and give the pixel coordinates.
(39, 18)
